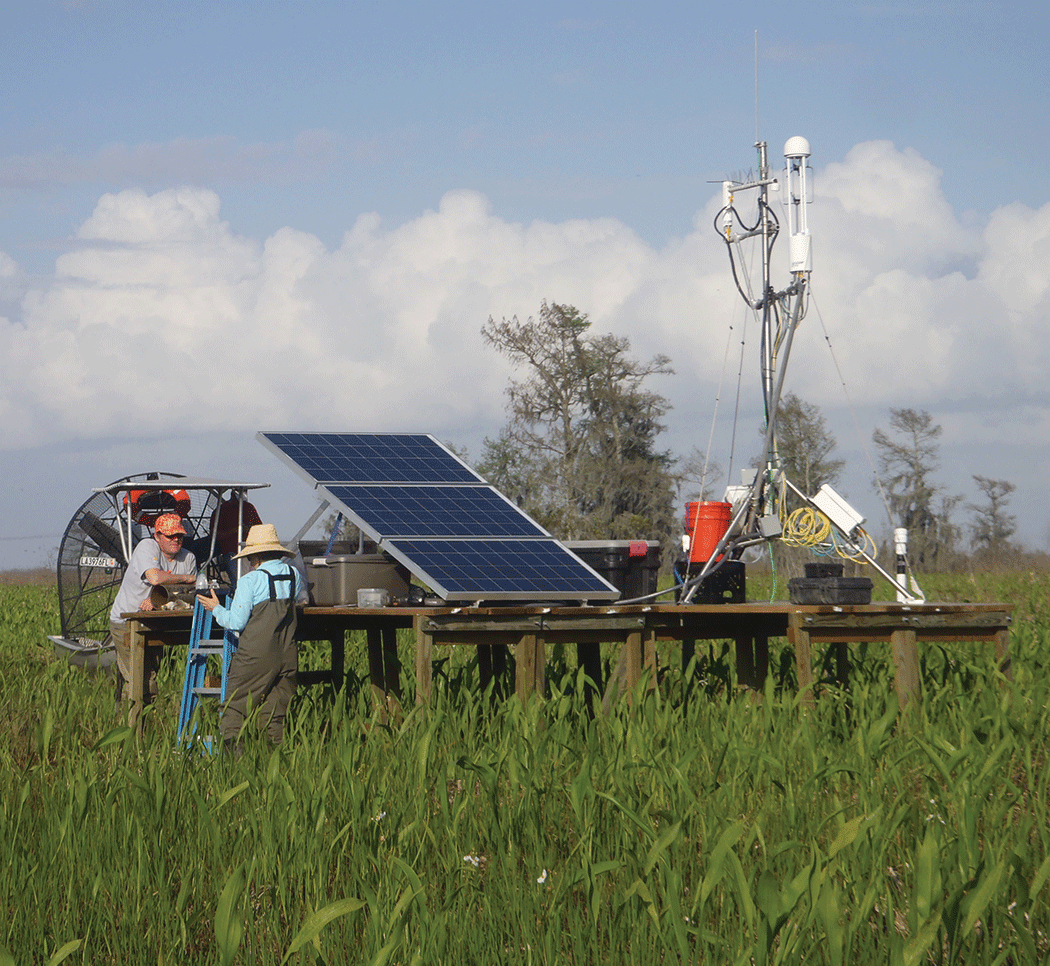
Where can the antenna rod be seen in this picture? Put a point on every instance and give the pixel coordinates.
(756, 87)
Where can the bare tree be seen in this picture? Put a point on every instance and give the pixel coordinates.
(992, 526)
(698, 476)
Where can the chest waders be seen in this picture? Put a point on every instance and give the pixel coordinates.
(263, 669)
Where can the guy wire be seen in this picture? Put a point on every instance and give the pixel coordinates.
(714, 415)
(853, 412)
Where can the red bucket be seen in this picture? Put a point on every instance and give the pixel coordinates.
(706, 523)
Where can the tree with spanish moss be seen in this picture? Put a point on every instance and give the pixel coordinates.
(579, 450)
(992, 526)
(907, 461)
(804, 445)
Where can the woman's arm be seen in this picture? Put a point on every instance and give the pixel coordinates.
(235, 617)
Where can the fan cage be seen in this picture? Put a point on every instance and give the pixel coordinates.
(91, 561)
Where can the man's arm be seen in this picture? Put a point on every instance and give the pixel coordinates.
(155, 576)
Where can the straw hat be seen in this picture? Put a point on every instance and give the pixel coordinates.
(262, 538)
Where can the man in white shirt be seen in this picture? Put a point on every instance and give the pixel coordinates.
(154, 562)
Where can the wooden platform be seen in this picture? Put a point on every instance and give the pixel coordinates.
(638, 629)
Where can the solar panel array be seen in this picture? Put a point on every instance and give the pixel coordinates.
(429, 510)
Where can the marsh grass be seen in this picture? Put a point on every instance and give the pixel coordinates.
(696, 825)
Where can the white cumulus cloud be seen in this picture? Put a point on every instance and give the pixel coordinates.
(161, 311)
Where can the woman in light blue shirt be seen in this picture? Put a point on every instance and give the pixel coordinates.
(263, 670)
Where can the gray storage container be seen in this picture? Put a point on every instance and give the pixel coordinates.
(335, 580)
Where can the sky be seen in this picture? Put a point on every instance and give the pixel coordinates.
(223, 218)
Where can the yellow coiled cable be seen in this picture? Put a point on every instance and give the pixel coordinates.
(807, 527)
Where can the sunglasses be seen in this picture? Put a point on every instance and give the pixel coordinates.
(174, 536)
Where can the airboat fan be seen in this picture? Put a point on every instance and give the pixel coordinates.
(91, 557)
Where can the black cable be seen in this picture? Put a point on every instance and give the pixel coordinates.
(729, 250)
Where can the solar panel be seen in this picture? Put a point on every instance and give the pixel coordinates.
(435, 511)
(500, 569)
(434, 514)
(369, 458)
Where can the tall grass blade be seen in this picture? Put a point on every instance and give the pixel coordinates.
(311, 929)
(230, 794)
(829, 908)
(915, 949)
(726, 841)
(1039, 879)
(65, 952)
(229, 927)
(977, 901)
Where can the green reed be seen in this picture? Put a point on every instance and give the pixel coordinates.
(697, 824)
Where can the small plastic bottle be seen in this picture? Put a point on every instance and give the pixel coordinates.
(202, 580)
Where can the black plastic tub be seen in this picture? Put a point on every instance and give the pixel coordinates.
(823, 568)
(632, 566)
(725, 585)
(830, 590)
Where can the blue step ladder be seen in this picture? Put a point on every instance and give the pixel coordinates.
(202, 646)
